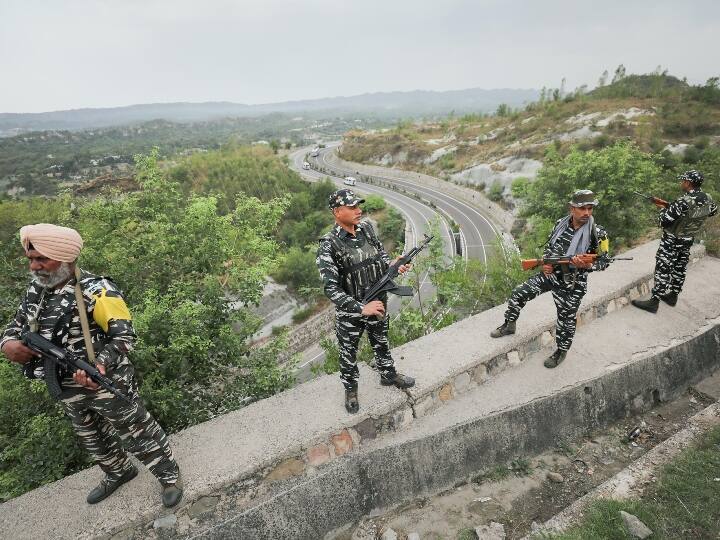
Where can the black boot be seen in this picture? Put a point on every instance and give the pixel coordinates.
(670, 299)
(555, 359)
(172, 493)
(351, 401)
(107, 486)
(397, 379)
(507, 328)
(651, 304)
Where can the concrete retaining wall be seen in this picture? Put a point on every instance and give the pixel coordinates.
(370, 482)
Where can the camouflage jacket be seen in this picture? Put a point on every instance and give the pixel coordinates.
(330, 264)
(58, 320)
(682, 221)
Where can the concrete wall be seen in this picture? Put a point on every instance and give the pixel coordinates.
(376, 480)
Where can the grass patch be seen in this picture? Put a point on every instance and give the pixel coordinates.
(685, 503)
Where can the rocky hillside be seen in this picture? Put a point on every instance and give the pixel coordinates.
(663, 115)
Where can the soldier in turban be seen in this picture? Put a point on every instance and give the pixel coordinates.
(51, 307)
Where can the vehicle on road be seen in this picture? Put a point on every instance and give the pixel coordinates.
(349, 181)
(306, 165)
(315, 152)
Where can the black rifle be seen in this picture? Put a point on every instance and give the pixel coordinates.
(386, 283)
(52, 355)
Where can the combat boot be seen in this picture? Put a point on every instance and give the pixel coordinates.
(651, 304)
(172, 493)
(670, 299)
(507, 328)
(351, 401)
(397, 379)
(107, 486)
(555, 359)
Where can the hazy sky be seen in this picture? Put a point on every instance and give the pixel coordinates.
(61, 54)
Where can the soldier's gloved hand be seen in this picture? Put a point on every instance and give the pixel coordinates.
(547, 269)
(18, 352)
(375, 307)
(82, 378)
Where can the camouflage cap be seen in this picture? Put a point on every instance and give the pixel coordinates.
(343, 197)
(692, 176)
(583, 197)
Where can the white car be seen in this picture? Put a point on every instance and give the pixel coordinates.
(305, 165)
(349, 181)
(315, 152)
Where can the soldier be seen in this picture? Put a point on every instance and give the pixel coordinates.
(680, 221)
(51, 307)
(573, 236)
(350, 259)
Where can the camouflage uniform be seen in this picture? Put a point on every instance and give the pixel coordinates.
(680, 222)
(568, 285)
(101, 420)
(348, 266)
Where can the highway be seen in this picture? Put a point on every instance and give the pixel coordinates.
(477, 233)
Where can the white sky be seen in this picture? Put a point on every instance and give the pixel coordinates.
(62, 54)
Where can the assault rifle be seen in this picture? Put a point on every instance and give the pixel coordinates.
(529, 264)
(52, 354)
(386, 283)
(657, 201)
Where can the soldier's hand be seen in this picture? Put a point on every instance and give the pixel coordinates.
(83, 379)
(547, 269)
(403, 267)
(375, 307)
(581, 261)
(18, 352)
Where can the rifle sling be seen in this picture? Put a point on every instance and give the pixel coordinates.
(83, 318)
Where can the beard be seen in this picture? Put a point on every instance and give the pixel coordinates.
(52, 279)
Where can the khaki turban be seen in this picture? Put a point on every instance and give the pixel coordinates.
(52, 241)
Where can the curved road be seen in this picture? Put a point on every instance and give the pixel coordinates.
(477, 233)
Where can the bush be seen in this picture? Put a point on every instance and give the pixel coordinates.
(373, 203)
(495, 193)
(612, 173)
(298, 270)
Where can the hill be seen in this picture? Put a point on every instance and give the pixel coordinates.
(662, 114)
(381, 104)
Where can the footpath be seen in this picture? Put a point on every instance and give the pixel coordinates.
(298, 466)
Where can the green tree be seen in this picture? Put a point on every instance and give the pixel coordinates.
(612, 173)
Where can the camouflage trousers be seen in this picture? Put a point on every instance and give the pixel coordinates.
(671, 262)
(567, 302)
(349, 329)
(103, 423)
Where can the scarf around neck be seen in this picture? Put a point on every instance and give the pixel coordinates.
(581, 237)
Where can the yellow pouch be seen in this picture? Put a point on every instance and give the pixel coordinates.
(108, 308)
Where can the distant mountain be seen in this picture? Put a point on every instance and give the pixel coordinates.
(418, 103)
